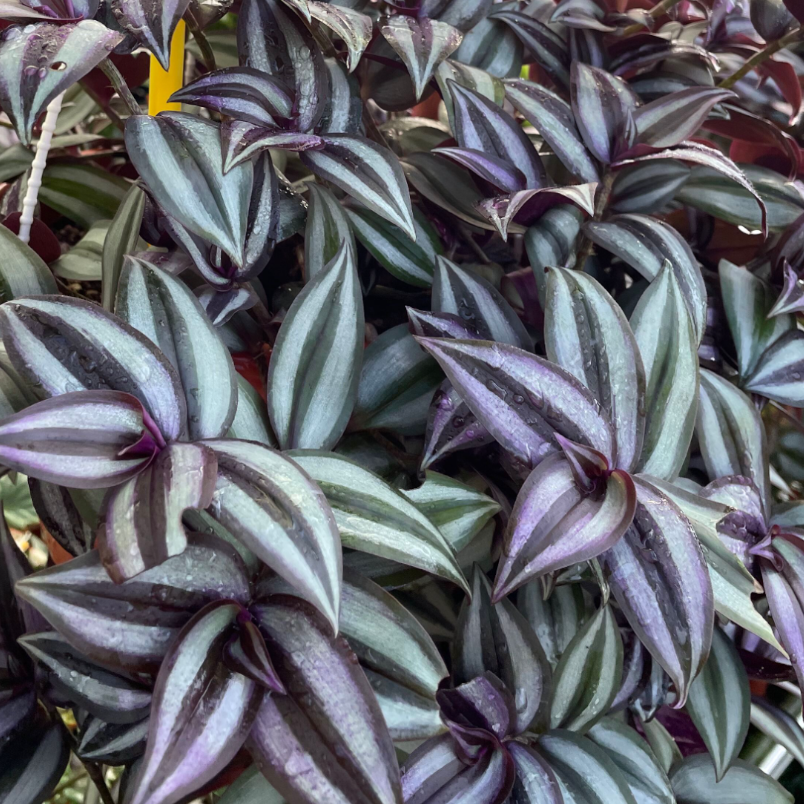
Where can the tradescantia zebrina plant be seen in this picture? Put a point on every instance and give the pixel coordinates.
(412, 416)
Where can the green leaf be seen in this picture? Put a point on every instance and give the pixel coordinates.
(326, 228)
(83, 261)
(588, 675)
(719, 703)
(122, 237)
(22, 271)
(251, 787)
(779, 725)
(83, 193)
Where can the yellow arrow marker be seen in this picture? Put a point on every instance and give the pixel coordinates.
(164, 83)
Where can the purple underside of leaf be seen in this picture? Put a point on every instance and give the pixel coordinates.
(240, 141)
(499, 172)
(791, 298)
(86, 439)
(554, 526)
(521, 399)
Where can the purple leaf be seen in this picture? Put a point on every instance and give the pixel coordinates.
(421, 44)
(550, 505)
(325, 740)
(241, 141)
(273, 507)
(553, 118)
(528, 206)
(317, 357)
(482, 125)
(275, 40)
(547, 48)
(242, 93)
(179, 158)
(521, 399)
(165, 310)
(676, 116)
(368, 172)
(587, 334)
(41, 61)
(247, 654)
(85, 439)
(201, 712)
(708, 157)
(791, 299)
(18, 707)
(62, 520)
(440, 325)
(660, 580)
(483, 704)
(496, 638)
(112, 743)
(142, 522)
(477, 302)
(151, 23)
(114, 698)
(131, 625)
(603, 106)
(499, 172)
(60, 344)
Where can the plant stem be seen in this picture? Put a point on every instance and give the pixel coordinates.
(604, 191)
(118, 82)
(207, 54)
(96, 775)
(655, 13)
(760, 56)
(38, 167)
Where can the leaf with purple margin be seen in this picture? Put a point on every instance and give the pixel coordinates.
(553, 118)
(496, 638)
(659, 577)
(719, 703)
(86, 439)
(421, 44)
(708, 157)
(587, 334)
(781, 367)
(521, 399)
(547, 48)
(368, 172)
(39, 333)
(791, 297)
(603, 106)
(482, 125)
(41, 61)
(645, 243)
(476, 301)
(399, 658)
(535, 782)
(470, 77)
(325, 740)
(408, 260)
(201, 712)
(32, 764)
(551, 505)
(663, 329)
(396, 385)
(552, 241)
(131, 625)
(142, 519)
(675, 117)
(165, 310)
(316, 360)
(585, 772)
(273, 507)
(694, 782)
(347, 24)
(274, 39)
(589, 674)
(635, 760)
(731, 434)
(151, 23)
(241, 141)
(375, 518)
(106, 695)
(492, 169)
(528, 206)
(179, 158)
(243, 93)
(326, 228)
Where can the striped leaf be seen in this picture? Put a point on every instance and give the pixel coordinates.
(368, 172)
(347, 24)
(22, 273)
(421, 44)
(326, 228)
(122, 238)
(719, 703)
(664, 334)
(316, 360)
(779, 725)
(375, 518)
(251, 419)
(488, 85)
(694, 782)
